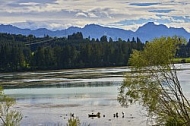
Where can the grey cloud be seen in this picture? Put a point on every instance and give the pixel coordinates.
(35, 1)
(182, 18)
(49, 24)
(102, 13)
(162, 11)
(52, 14)
(24, 3)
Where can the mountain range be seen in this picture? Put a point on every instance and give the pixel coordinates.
(146, 32)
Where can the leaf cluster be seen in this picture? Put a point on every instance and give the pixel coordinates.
(153, 82)
(8, 116)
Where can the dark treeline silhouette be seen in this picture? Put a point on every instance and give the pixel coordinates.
(25, 53)
(184, 50)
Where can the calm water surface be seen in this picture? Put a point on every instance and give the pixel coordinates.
(51, 105)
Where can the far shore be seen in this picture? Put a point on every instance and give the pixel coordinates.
(69, 77)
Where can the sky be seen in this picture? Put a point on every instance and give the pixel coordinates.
(124, 14)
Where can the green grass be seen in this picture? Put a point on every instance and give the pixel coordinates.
(181, 60)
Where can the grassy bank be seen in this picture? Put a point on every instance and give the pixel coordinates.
(181, 60)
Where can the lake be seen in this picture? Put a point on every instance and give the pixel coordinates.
(46, 98)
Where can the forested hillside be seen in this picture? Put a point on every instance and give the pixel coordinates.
(24, 53)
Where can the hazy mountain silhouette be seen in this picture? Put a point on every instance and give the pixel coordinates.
(150, 31)
(146, 32)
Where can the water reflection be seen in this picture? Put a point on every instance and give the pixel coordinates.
(47, 102)
(91, 93)
(67, 85)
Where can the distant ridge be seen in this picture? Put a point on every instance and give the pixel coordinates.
(150, 31)
(146, 32)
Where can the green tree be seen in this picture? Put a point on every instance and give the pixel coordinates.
(39, 58)
(153, 83)
(103, 38)
(76, 36)
(8, 116)
(110, 39)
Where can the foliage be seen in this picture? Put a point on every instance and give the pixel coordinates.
(181, 60)
(8, 116)
(174, 122)
(73, 121)
(22, 53)
(153, 83)
(184, 50)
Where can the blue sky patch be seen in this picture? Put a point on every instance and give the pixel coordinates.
(183, 18)
(144, 4)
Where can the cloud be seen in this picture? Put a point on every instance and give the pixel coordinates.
(49, 24)
(19, 3)
(126, 14)
(181, 19)
(29, 4)
(92, 15)
(81, 14)
(162, 11)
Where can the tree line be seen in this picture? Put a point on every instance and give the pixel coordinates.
(24, 53)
